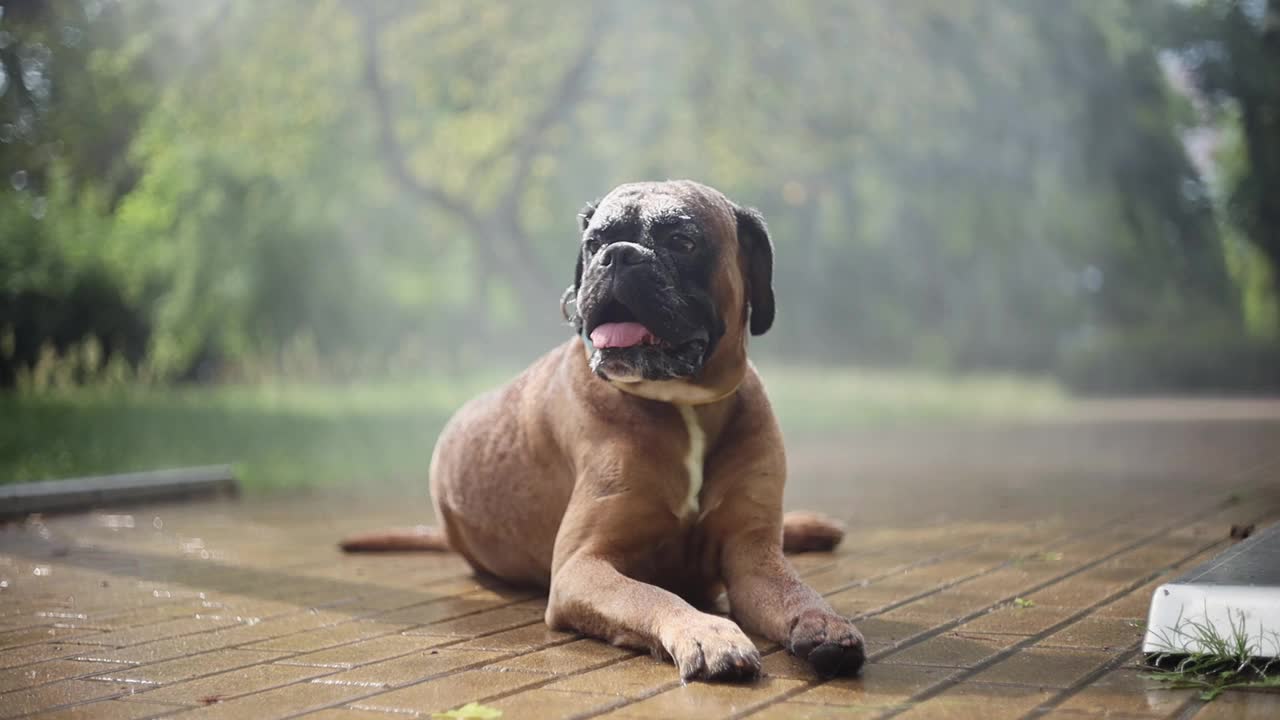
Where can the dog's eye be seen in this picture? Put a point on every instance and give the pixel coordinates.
(682, 242)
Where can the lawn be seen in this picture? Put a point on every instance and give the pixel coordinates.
(290, 436)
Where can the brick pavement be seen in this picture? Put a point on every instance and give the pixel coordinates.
(246, 610)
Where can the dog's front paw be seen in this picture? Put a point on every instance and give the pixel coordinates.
(829, 642)
(712, 648)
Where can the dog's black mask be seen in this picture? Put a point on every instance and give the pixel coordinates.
(643, 287)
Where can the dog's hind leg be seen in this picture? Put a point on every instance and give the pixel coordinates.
(805, 531)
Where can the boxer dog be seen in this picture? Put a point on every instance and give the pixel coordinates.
(636, 471)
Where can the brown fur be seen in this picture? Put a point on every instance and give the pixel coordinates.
(577, 484)
(810, 532)
(416, 539)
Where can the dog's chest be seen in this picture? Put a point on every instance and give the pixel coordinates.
(694, 462)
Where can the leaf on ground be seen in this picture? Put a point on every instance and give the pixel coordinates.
(470, 711)
(1023, 603)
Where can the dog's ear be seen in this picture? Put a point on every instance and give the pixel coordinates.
(584, 219)
(757, 248)
(571, 292)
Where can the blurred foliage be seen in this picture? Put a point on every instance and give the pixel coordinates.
(245, 189)
(1199, 361)
(1232, 51)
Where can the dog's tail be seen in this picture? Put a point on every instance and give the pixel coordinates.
(414, 539)
(810, 532)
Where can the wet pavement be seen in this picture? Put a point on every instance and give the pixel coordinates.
(997, 571)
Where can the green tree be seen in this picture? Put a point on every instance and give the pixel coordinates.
(1232, 48)
(958, 183)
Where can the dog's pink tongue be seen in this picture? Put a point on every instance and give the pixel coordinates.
(619, 334)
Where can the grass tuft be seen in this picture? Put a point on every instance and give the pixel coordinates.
(1198, 656)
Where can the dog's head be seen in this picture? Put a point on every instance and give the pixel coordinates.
(668, 278)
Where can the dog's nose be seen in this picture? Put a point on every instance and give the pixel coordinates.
(622, 254)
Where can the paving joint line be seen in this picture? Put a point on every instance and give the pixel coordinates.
(480, 665)
(337, 670)
(868, 581)
(951, 624)
(454, 671)
(966, 673)
(92, 676)
(380, 690)
(268, 618)
(554, 678)
(1079, 569)
(1064, 537)
(907, 643)
(662, 688)
(855, 556)
(935, 560)
(938, 630)
(1089, 678)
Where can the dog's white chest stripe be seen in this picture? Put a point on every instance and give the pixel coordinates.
(694, 460)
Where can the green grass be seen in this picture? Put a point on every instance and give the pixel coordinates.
(380, 435)
(826, 401)
(1199, 656)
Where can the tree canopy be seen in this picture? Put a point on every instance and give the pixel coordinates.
(379, 184)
